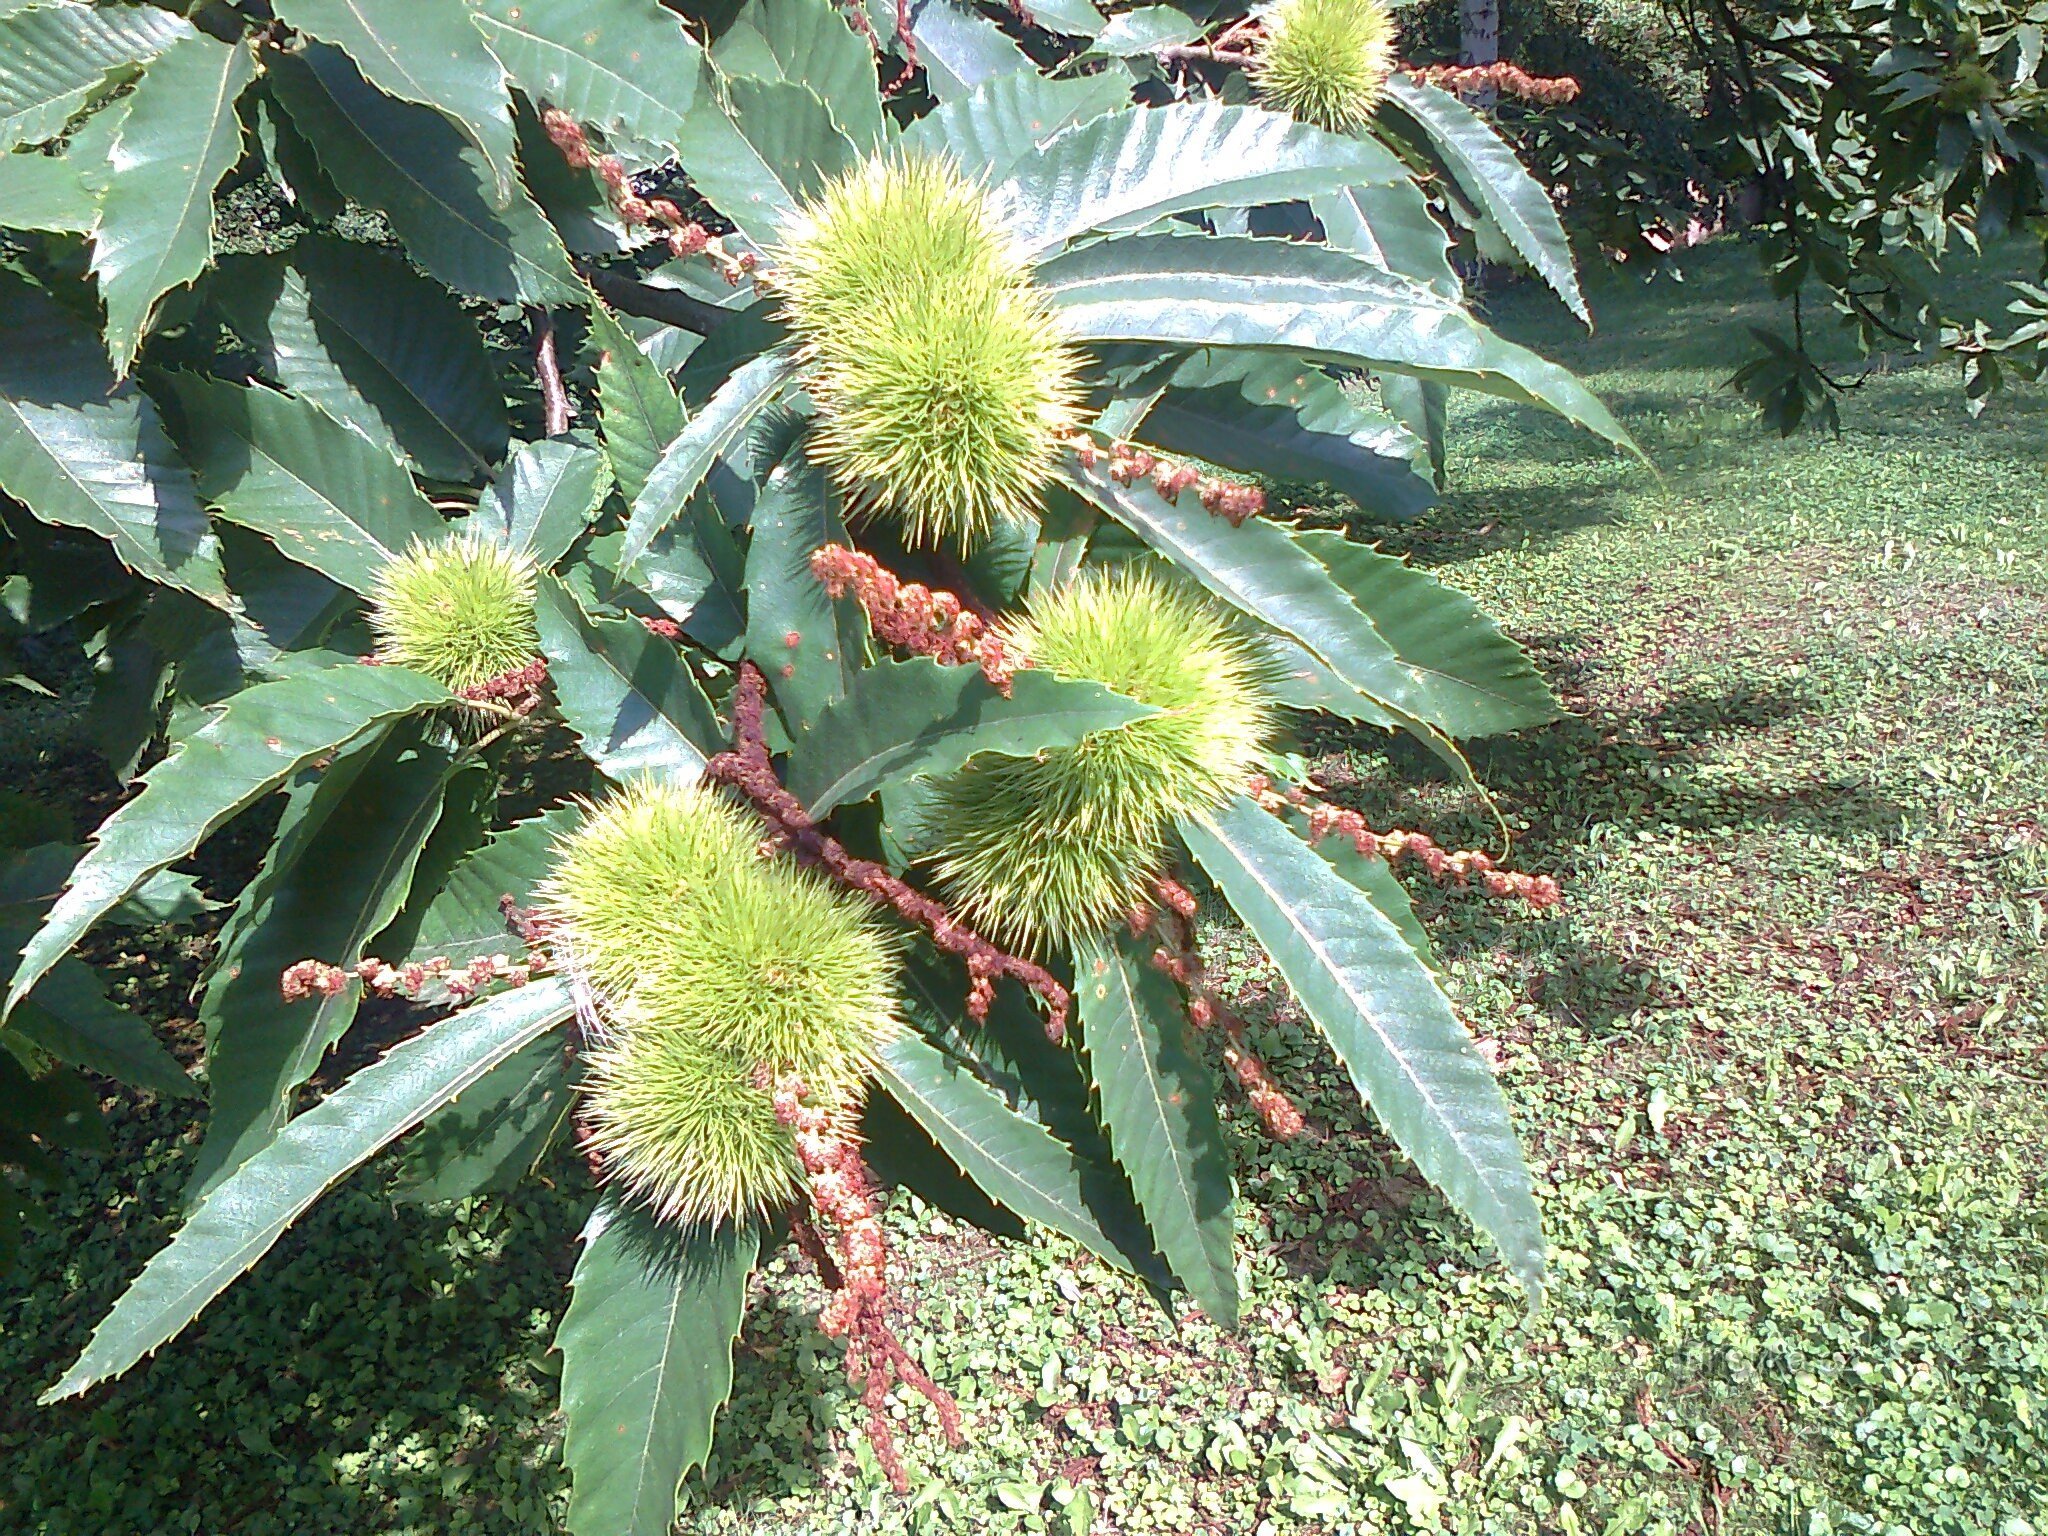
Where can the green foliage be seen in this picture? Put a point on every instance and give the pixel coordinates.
(381, 414)
(1326, 61)
(708, 964)
(1053, 848)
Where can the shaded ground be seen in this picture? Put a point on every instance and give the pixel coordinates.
(1779, 1062)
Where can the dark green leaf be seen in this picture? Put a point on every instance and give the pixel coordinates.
(546, 496)
(466, 917)
(646, 1364)
(958, 46)
(809, 43)
(492, 1136)
(689, 456)
(69, 1016)
(757, 148)
(43, 192)
(55, 58)
(362, 335)
(259, 739)
(1387, 1019)
(78, 449)
(809, 643)
(181, 136)
(1159, 1106)
(639, 408)
(1486, 168)
(242, 1218)
(909, 717)
(325, 495)
(623, 67)
(1145, 30)
(1227, 291)
(1466, 676)
(340, 867)
(431, 182)
(429, 54)
(1390, 225)
(1133, 168)
(625, 692)
(1277, 417)
(1017, 1162)
(990, 129)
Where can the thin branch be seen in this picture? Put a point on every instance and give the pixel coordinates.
(548, 369)
(671, 306)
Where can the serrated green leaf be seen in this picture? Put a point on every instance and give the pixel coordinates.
(625, 693)
(181, 136)
(70, 1016)
(425, 53)
(1232, 291)
(991, 128)
(1274, 416)
(810, 644)
(1467, 677)
(323, 493)
(1374, 877)
(79, 449)
(545, 497)
(431, 182)
(1386, 1018)
(959, 48)
(639, 408)
(623, 67)
(260, 738)
(688, 458)
(55, 58)
(242, 1218)
(1390, 225)
(493, 1135)
(43, 192)
(466, 917)
(1133, 168)
(809, 43)
(1145, 30)
(646, 1365)
(1487, 169)
(899, 718)
(1017, 1162)
(757, 148)
(340, 867)
(1159, 1106)
(363, 336)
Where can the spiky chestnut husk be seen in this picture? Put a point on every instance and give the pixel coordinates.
(1326, 61)
(1045, 850)
(942, 385)
(712, 967)
(459, 609)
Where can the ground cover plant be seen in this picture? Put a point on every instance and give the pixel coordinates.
(878, 703)
(1776, 1058)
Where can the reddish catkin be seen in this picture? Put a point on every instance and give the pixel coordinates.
(1129, 463)
(685, 237)
(1178, 958)
(1460, 868)
(310, 978)
(746, 768)
(520, 688)
(913, 617)
(855, 1268)
(1508, 79)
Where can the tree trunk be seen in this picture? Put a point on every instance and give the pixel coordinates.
(1479, 41)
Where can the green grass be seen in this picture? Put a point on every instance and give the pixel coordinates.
(1779, 1061)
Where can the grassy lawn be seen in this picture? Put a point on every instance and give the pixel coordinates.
(1779, 1061)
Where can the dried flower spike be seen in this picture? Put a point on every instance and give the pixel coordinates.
(1047, 849)
(1326, 61)
(942, 385)
(709, 962)
(459, 609)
